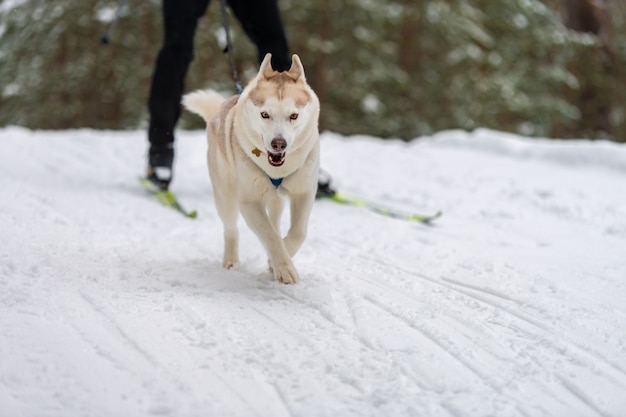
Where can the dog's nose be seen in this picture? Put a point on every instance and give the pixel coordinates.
(279, 144)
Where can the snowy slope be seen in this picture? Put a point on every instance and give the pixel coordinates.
(512, 305)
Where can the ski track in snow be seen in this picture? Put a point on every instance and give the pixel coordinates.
(511, 304)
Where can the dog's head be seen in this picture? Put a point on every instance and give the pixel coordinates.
(278, 110)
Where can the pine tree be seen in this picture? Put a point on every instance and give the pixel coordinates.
(392, 69)
(56, 74)
(408, 68)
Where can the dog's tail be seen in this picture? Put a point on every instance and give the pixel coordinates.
(205, 103)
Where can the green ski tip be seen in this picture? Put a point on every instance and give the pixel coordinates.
(344, 199)
(166, 198)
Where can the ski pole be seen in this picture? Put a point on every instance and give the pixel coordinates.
(106, 38)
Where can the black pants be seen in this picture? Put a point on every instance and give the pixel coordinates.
(260, 19)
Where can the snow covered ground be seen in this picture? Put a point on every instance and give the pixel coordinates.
(513, 304)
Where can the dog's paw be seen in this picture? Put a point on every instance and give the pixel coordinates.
(288, 276)
(230, 264)
(285, 274)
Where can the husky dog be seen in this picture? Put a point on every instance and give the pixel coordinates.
(263, 148)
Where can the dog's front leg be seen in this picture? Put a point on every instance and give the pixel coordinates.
(258, 220)
(300, 206)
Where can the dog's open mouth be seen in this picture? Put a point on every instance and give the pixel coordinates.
(276, 159)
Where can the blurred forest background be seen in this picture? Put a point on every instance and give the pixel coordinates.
(396, 68)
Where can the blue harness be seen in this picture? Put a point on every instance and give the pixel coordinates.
(276, 181)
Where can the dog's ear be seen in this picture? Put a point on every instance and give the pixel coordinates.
(266, 69)
(297, 70)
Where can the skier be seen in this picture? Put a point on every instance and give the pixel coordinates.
(260, 20)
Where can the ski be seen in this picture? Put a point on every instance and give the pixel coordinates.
(166, 197)
(347, 200)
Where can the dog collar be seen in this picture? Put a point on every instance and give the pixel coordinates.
(276, 181)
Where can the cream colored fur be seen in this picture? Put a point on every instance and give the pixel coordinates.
(243, 133)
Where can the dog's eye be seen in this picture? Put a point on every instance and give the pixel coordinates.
(293, 116)
(265, 115)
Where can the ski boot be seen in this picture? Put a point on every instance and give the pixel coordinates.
(160, 160)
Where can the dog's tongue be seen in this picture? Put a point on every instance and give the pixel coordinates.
(276, 159)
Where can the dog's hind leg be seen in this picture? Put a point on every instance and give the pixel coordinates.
(231, 246)
(228, 210)
(258, 220)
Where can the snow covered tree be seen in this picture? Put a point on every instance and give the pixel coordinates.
(602, 94)
(56, 74)
(406, 68)
(398, 68)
